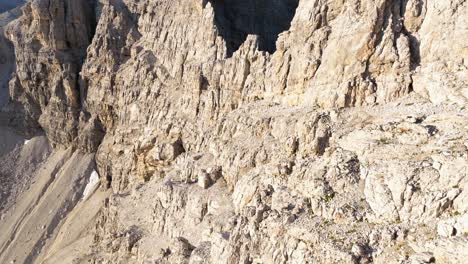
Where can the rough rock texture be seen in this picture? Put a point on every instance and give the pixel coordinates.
(289, 131)
(302, 185)
(50, 41)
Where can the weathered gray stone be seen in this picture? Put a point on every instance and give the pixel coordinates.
(288, 131)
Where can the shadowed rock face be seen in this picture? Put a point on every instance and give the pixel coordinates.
(6, 49)
(267, 19)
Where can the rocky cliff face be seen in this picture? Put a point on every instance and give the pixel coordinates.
(287, 131)
(53, 36)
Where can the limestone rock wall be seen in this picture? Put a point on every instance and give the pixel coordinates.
(257, 132)
(50, 42)
(325, 54)
(162, 69)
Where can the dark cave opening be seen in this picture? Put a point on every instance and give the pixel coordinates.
(235, 19)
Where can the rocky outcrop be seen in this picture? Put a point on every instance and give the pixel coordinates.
(50, 44)
(176, 69)
(238, 52)
(254, 131)
(351, 186)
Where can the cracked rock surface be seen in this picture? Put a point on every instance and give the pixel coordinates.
(288, 131)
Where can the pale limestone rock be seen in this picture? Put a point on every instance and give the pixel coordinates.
(49, 49)
(204, 180)
(255, 131)
(445, 229)
(421, 258)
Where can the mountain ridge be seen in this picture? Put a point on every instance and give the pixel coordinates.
(231, 132)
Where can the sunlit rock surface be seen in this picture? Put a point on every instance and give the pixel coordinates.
(288, 131)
